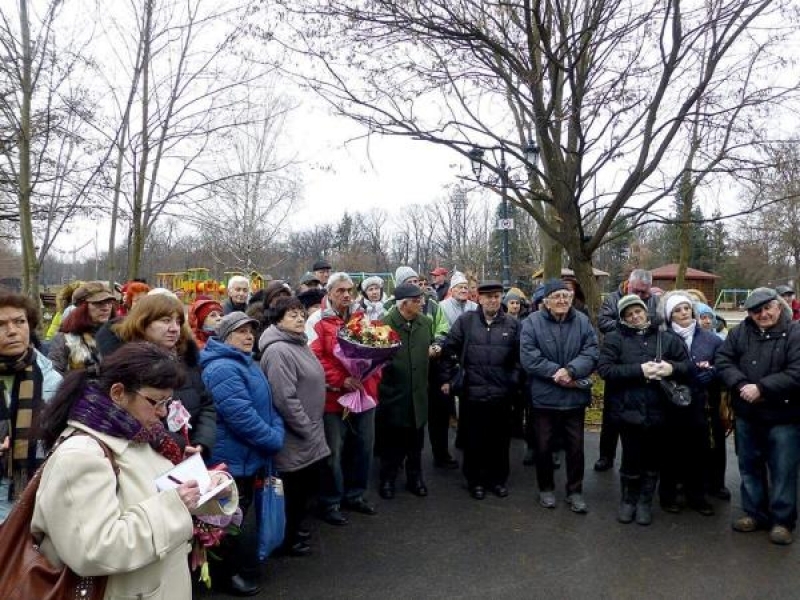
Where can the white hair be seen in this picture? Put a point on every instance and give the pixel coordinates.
(642, 275)
(238, 279)
(337, 278)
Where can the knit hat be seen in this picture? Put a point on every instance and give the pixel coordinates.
(553, 285)
(511, 295)
(627, 301)
(201, 309)
(703, 309)
(407, 290)
(373, 280)
(403, 273)
(457, 279)
(538, 295)
(233, 321)
(671, 302)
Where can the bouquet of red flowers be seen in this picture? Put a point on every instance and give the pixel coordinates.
(363, 347)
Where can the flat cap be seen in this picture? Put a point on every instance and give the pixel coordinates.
(760, 296)
(486, 287)
(407, 290)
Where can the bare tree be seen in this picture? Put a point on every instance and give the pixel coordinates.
(603, 88)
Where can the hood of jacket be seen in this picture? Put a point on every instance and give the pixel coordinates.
(215, 350)
(274, 334)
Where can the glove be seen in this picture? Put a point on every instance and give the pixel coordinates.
(705, 377)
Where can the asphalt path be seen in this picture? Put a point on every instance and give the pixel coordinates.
(451, 546)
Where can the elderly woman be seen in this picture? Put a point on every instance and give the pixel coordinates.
(99, 523)
(75, 346)
(686, 447)
(635, 402)
(249, 432)
(21, 399)
(159, 318)
(297, 381)
(372, 298)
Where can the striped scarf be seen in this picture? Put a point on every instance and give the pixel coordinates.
(25, 403)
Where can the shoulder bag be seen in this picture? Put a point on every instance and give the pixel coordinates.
(677, 393)
(25, 573)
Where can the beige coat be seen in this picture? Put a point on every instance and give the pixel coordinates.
(137, 536)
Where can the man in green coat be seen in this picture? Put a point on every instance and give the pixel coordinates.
(403, 393)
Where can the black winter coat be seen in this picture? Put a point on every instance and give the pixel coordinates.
(491, 360)
(632, 398)
(771, 360)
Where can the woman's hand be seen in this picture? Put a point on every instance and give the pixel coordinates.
(189, 450)
(218, 478)
(189, 493)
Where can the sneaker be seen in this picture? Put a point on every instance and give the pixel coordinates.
(547, 499)
(746, 524)
(780, 535)
(577, 504)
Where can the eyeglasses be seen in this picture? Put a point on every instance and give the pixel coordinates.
(156, 404)
(564, 297)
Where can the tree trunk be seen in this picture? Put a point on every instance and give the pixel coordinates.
(551, 249)
(138, 232)
(30, 264)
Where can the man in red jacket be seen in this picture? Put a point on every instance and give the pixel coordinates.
(346, 474)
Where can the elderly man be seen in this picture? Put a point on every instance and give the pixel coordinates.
(485, 345)
(27, 381)
(559, 351)
(760, 363)
(640, 282)
(439, 407)
(439, 283)
(346, 474)
(322, 271)
(787, 293)
(403, 408)
(238, 291)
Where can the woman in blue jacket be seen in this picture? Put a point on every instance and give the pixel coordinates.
(249, 433)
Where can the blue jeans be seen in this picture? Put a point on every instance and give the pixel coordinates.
(346, 471)
(769, 456)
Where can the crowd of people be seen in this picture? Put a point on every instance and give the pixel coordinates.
(254, 382)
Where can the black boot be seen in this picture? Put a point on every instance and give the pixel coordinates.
(629, 497)
(644, 507)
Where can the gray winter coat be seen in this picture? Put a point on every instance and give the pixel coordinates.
(546, 345)
(298, 394)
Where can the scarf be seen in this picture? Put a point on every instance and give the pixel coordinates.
(639, 330)
(687, 333)
(374, 310)
(25, 403)
(97, 411)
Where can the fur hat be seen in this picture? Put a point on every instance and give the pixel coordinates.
(403, 273)
(374, 280)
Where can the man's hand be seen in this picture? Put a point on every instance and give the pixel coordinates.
(750, 393)
(562, 377)
(434, 351)
(353, 384)
(446, 389)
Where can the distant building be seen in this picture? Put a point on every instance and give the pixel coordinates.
(665, 276)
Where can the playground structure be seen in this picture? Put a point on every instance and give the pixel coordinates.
(189, 284)
(731, 299)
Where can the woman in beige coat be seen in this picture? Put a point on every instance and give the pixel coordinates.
(119, 526)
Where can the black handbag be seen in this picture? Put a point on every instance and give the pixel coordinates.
(677, 393)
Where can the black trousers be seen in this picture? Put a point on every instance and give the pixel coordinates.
(609, 434)
(440, 408)
(716, 454)
(564, 427)
(399, 445)
(300, 487)
(641, 449)
(486, 438)
(685, 444)
(239, 553)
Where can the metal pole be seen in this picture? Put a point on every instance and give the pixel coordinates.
(504, 183)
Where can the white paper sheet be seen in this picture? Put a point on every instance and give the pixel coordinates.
(191, 468)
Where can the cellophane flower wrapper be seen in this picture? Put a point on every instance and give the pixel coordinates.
(361, 361)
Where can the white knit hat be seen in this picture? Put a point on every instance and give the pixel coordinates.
(373, 280)
(671, 302)
(403, 273)
(457, 278)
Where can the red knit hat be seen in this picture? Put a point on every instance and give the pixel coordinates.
(200, 310)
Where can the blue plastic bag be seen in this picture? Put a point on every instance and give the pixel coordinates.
(271, 516)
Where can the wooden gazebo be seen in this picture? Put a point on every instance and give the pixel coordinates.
(664, 277)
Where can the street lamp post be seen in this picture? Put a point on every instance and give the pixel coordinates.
(505, 224)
